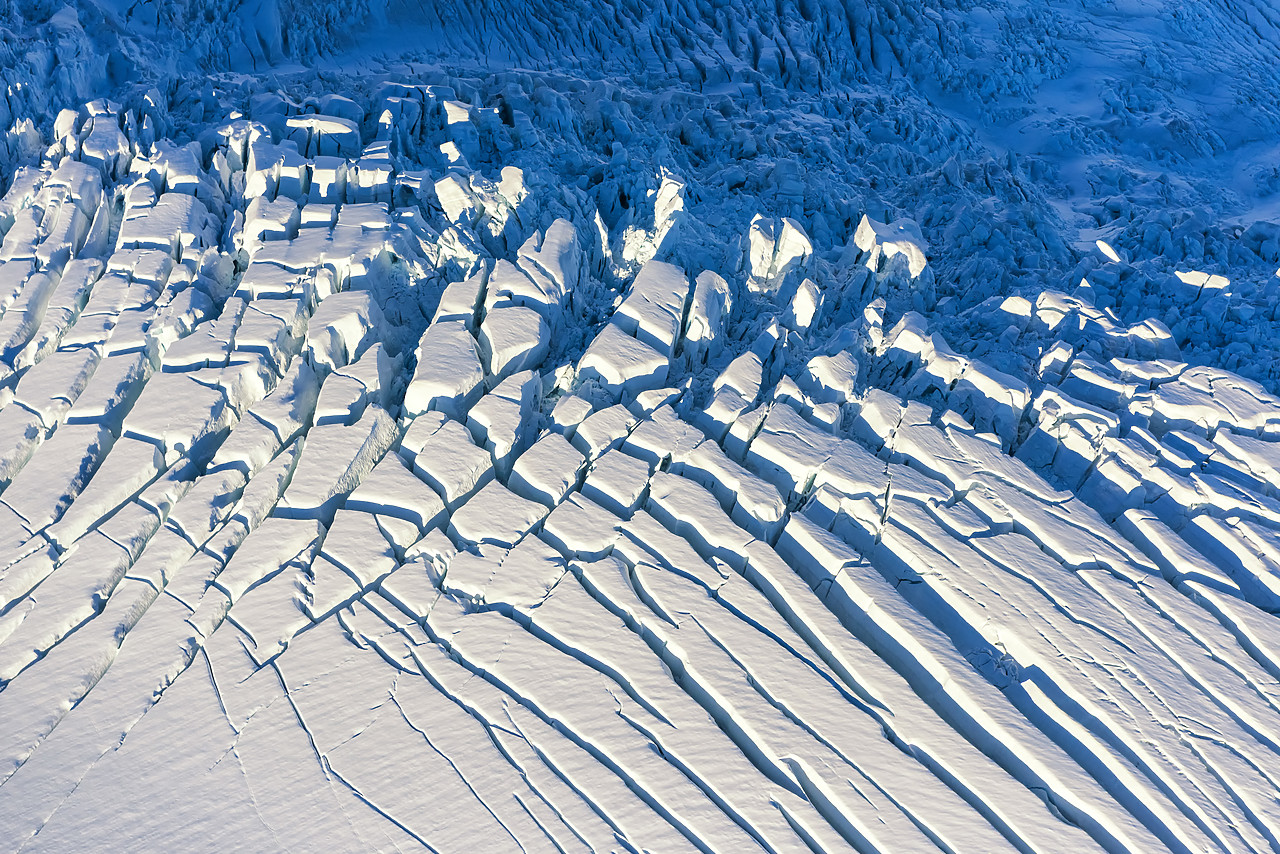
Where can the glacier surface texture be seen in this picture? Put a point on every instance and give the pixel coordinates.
(699, 425)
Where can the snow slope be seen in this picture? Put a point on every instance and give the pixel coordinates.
(715, 427)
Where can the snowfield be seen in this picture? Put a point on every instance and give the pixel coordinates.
(711, 427)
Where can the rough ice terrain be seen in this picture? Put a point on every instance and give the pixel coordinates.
(710, 426)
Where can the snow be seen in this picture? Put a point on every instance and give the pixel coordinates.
(448, 373)
(548, 470)
(622, 364)
(883, 242)
(452, 464)
(618, 482)
(774, 249)
(341, 327)
(494, 515)
(711, 427)
(391, 489)
(654, 306)
(513, 338)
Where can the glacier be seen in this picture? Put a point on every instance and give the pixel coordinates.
(709, 426)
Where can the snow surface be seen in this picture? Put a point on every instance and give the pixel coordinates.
(640, 427)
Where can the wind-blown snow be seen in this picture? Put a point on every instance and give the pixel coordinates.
(719, 427)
